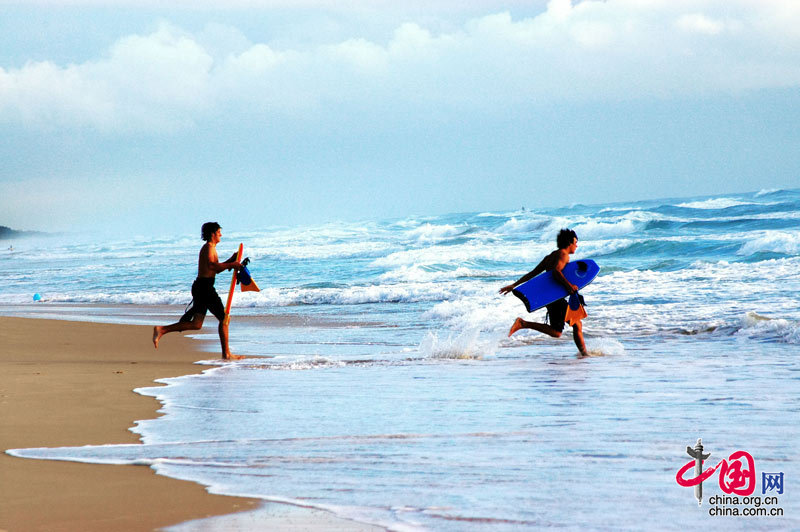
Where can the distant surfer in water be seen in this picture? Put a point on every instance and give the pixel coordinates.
(204, 295)
(567, 242)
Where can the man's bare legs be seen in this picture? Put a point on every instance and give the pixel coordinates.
(577, 331)
(577, 335)
(519, 323)
(194, 325)
(223, 338)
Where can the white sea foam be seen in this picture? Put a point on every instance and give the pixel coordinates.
(772, 241)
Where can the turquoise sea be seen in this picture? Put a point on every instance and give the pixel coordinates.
(381, 384)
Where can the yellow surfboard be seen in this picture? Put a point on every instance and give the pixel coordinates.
(233, 287)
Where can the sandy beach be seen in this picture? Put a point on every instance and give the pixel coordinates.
(69, 384)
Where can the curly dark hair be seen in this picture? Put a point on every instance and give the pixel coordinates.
(564, 238)
(208, 229)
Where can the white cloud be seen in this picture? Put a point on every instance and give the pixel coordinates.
(170, 79)
(153, 81)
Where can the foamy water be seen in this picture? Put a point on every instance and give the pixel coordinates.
(382, 385)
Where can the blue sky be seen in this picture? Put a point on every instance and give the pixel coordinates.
(126, 116)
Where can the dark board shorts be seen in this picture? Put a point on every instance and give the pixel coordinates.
(205, 298)
(556, 311)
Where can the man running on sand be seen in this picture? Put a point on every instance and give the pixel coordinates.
(204, 296)
(567, 242)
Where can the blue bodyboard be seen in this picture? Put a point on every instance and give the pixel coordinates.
(544, 289)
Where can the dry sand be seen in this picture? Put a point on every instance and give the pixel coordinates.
(70, 383)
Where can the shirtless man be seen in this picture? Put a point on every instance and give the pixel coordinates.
(567, 242)
(205, 297)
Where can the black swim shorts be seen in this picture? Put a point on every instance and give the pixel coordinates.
(205, 299)
(556, 311)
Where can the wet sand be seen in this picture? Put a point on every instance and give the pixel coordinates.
(69, 384)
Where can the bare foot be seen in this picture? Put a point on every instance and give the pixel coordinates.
(231, 356)
(517, 326)
(156, 335)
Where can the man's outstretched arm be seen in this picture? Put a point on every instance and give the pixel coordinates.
(525, 278)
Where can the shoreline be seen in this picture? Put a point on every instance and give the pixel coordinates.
(68, 383)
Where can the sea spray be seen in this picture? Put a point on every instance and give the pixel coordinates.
(604, 347)
(465, 345)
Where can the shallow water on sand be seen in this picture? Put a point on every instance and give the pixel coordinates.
(531, 438)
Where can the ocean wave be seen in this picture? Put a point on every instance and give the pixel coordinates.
(772, 241)
(465, 253)
(528, 253)
(529, 224)
(433, 233)
(767, 192)
(483, 311)
(316, 362)
(757, 327)
(714, 204)
(416, 273)
(619, 209)
(339, 250)
(597, 230)
(177, 297)
(587, 227)
(406, 223)
(412, 292)
(703, 296)
(355, 295)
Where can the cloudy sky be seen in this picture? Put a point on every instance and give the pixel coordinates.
(128, 116)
